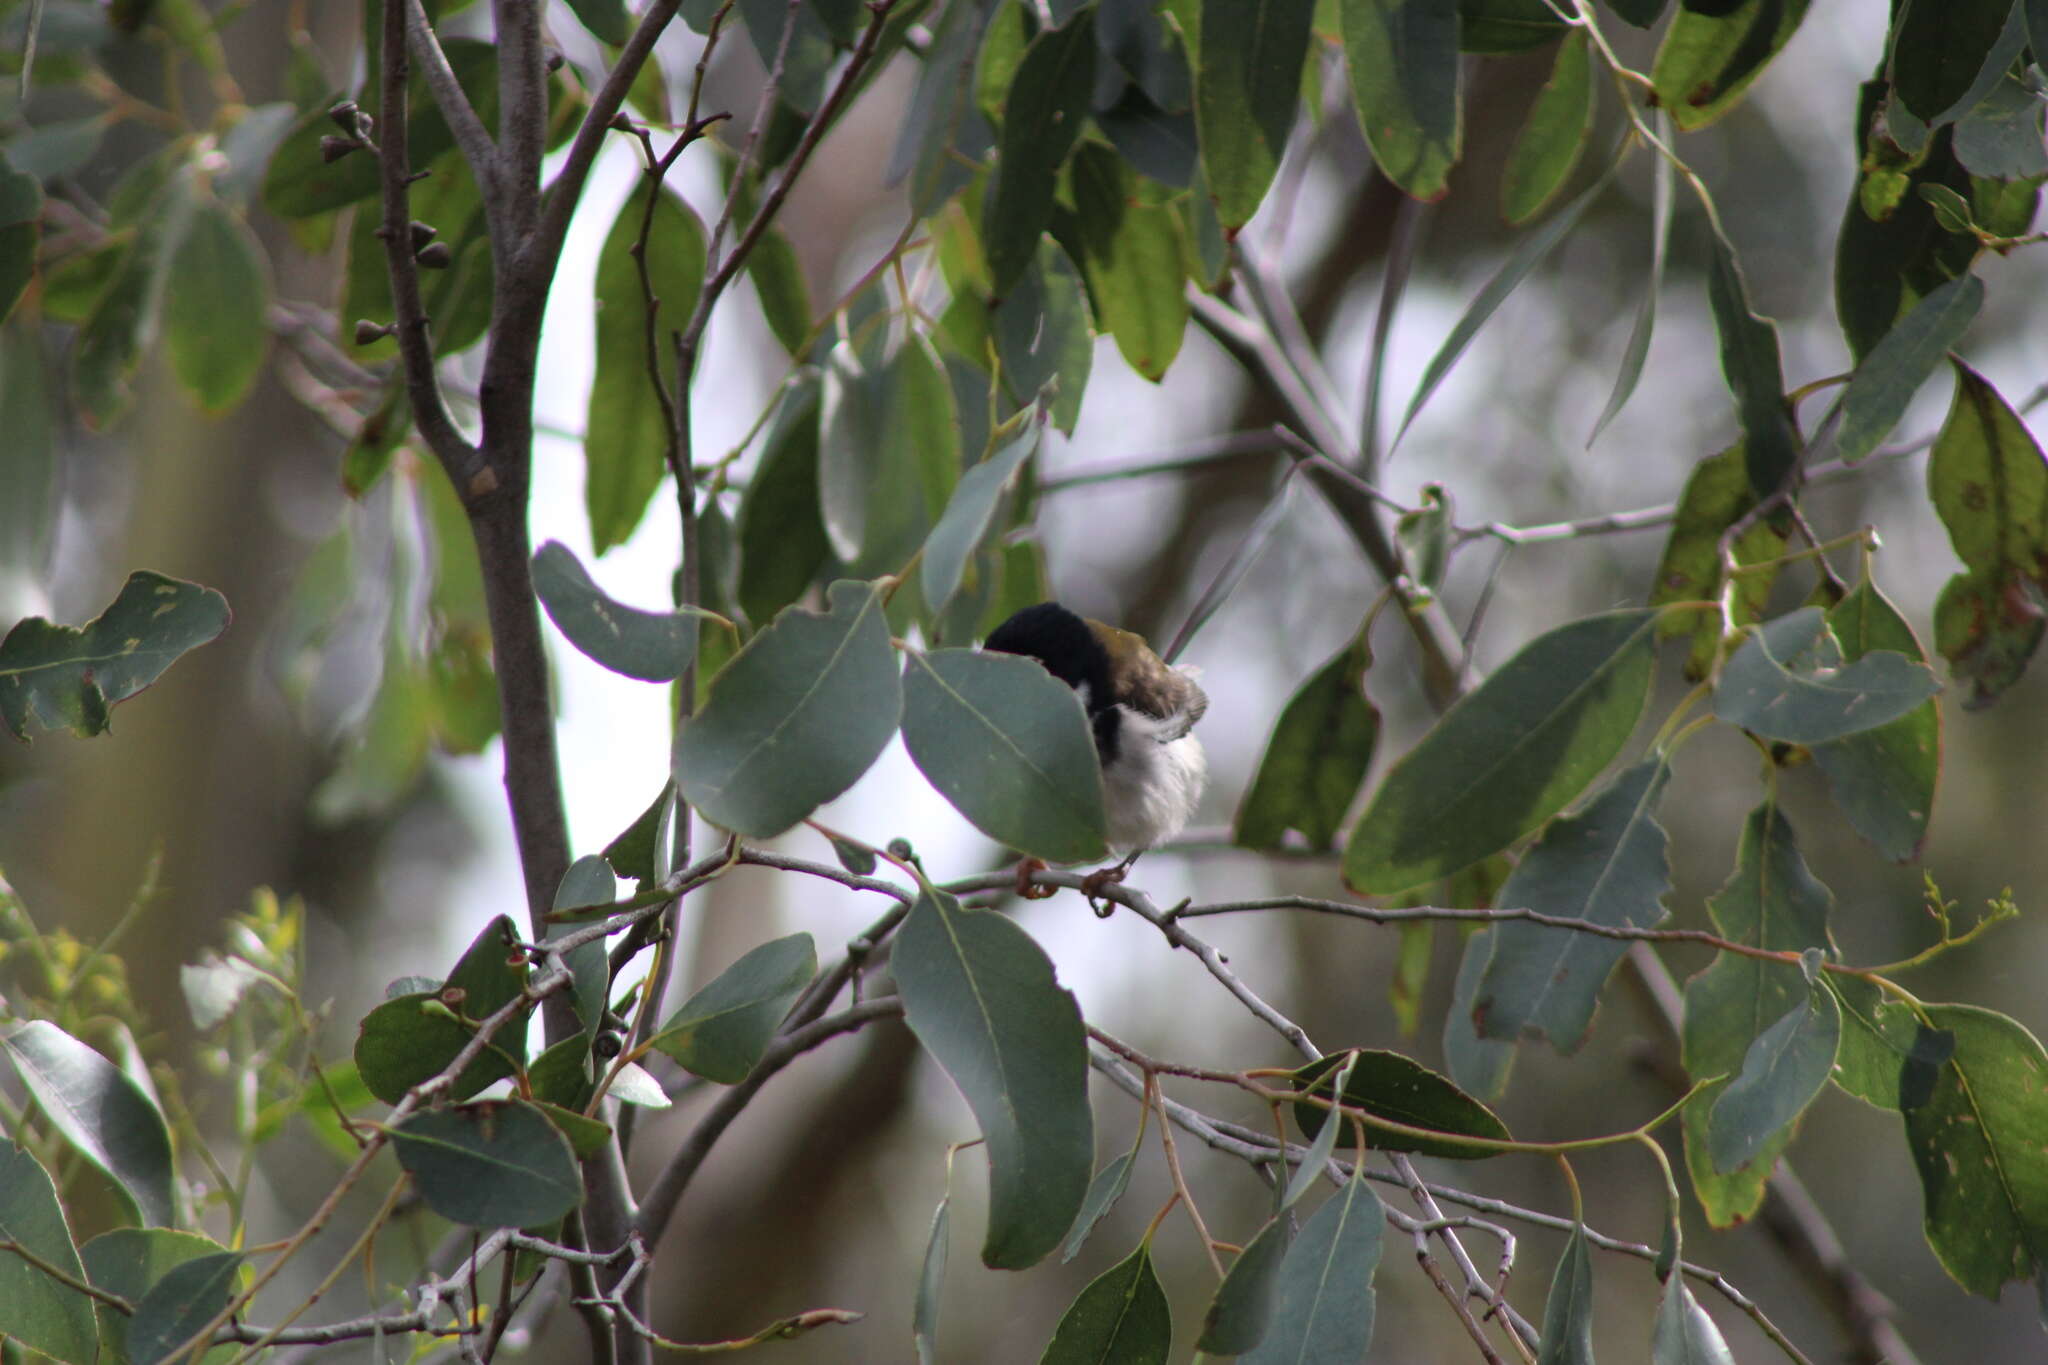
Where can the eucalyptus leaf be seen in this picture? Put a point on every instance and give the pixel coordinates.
(649, 645)
(41, 1313)
(1789, 682)
(492, 1164)
(101, 1113)
(722, 1030)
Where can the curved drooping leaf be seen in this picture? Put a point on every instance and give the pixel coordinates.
(103, 1114)
(1043, 336)
(1321, 747)
(1772, 901)
(1883, 779)
(1404, 64)
(971, 511)
(1987, 480)
(982, 999)
(1755, 372)
(588, 882)
(1554, 135)
(1133, 256)
(1008, 744)
(1684, 1334)
(1939, 51)
(187, 1297)
(795, 718)
(1896, 367)
(653, 646)
(1607, 865)
(52, 675)
(1781, 1073)
(1663, 180)
(41, 1313)
(494, 1164)
(626, 432)
(1568, 1311)
(1043, 115)
(1247, 89)
(1976, 1139)
(217, 288)
(888, 451)
(1122, 1315)
(781, 531)
(924, 1310)
(130, 1262)
(1325, 1295)
(1108, 1186)
(1789, 682)
(722, 1030)
(1508, 756)
(1403, 1091)
(1480, 1066)
(1711, 53)
(1241, 1313)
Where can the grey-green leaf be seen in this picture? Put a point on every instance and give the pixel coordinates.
(967, 518)
(1607, 865)
(190, 1295)
(1750, 363)
(52, 675)
(1044, 114)
(1884, 779)
(128, 1262)
(1788, 682)
(104, 1115)
(1480, 1066)
(1896, 367)
(588, 882)
(1326, 1300)
(1568, 1312)
(1509, 756)
(653, 646)
(39, 1312)
(1783, 1070)
(882, 426)
(216, 292)
(982, 998)
(722, 1030)
(1242, 1311)
(1108, 1186)
(1008, 744)
(1684, 1334)
(1121, 1316)
(924, 1312)
(493, 1164)
(1318, 755)
(1404, 64)
(795, 718)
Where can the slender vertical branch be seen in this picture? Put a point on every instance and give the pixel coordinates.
(522, 112)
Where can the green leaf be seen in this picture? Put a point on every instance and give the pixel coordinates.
(216, 295)
(1108, 1186)
(1897, 366)
(1509, 755)
(1404, 1091)
(561, 1075)
(1008, 744)
(1568, 1311)
(190, 1295)
(795, 718)
(493, 1164)
(1553, 137)
(778, 277)
(1528, 254)
(35, 1310)
(625, 432)
(781, 532)
(1662, 179)
(1877, 1041)
(1247, 88)
(982, 999)
(1789, 682)
(1716, 497)
(414, 1036)
(1042, 336)
(1755, 375)
(607, 19)
(1317, 757)
(124, 316)
(1711, 53)
(1042, 117)
(1403, 58)
(1480, 1066)
(1939, 47)
(942, 131)
(805, 60)
(105, 1116)
(1502, 26)
(1326, 1301)
(722, 1030)
(887, 431)
(1132, 254)
(1976, 1142)
(129, 1262)
(1883, 779)
(1988, 482)
(587, 1136)
(1781, 1073)
(1684, 1334)
(924, 1312)
(1242, 1312)
(2000, 138)
(969, 515)
(1606, 865)
(1122, 1315)
(653, 646)
(53, 675)
(28, 466)
(1772, 901)
(588, 882)
(21, 210)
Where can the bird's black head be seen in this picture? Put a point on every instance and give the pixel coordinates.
(1070, 651)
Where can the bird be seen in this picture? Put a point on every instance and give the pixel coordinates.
(1142, 711)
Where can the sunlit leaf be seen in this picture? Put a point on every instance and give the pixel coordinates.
(1711, 54)
(1133, 258)
(101, 1113)
(1554, 135)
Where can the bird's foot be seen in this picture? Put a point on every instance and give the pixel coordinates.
(1095, 883)
(1027, 868)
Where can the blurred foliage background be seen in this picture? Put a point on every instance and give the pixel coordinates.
(316, 750)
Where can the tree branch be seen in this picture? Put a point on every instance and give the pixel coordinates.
(522, 116)
(470, 134)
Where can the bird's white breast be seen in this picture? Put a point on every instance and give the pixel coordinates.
(1151, 787)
